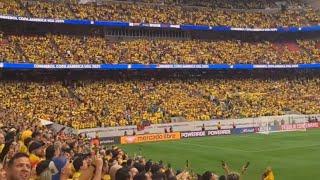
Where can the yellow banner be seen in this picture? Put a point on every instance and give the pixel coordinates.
(150, 138)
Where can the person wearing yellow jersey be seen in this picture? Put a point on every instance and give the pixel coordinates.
(268, 174)
(219, 126)
(36, 153)
(26, 134)
(106, 177)
(2, 142)
(24, 145)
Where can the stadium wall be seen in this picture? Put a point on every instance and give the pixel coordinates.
(155, 133)
(196, 125)
(206, 133)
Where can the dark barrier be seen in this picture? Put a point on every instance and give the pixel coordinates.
(245, 130)
(109, 140)
(274, 128)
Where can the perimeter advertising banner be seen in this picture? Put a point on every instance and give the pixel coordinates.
(300, 126)
(109, 140)
(245, 130)
(219, 132)
(293, 126)
(313, 125)
(150, 138)
(192, 134)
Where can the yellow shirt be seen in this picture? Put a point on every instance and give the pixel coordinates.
(270, 176)
(1, 147)
(25, 134)
(23, 148)
(76, 175)
(106, 177)
(34, 160)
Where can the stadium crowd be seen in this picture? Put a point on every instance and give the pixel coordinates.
(8, 50)
(11, 7)
(31, 151)
(150, 13)
(226, 4)
(95, 49)
(124, 99)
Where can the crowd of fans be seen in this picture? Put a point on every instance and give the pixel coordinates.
(8, 50)
(32, 151)
(37, 49)
(11, 7)
(249, 4)
(123, 100)
(29, 150)
(226, 4)
(94, 49)
(150, 13)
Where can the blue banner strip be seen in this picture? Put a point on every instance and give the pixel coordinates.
(219, 66)
(309, 66)
(310, 28)
(243, 66)
(114, 66)
(142, 66)
(111, 23)
(195, 27)
(157, 66)
(221, 28)
(18, 66)
(288, 29)
(78, 22)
